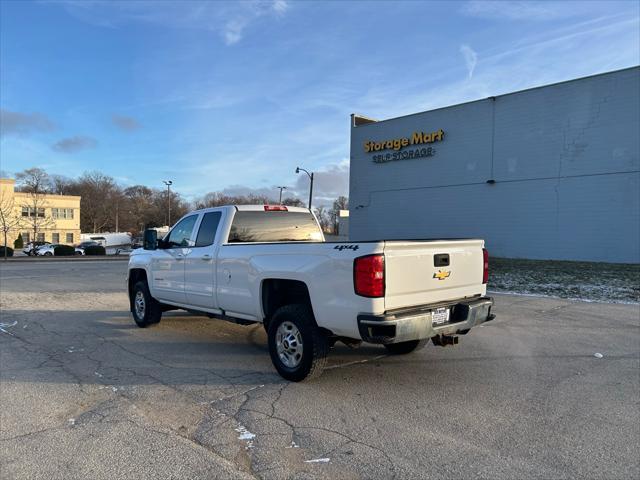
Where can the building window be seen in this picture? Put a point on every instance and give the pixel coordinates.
(69, 237)
(40, 237)
(25, 237)
(65, 213)
(31, 212)
(55, 238)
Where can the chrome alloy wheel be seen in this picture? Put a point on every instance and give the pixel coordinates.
(139, 304)
(289, 344)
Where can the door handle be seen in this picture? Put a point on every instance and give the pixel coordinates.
(206, 258)
(179, 256)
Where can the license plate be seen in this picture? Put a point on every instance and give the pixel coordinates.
(440, 316)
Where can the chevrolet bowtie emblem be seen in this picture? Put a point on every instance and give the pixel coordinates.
(442, 274)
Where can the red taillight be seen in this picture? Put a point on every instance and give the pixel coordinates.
(485, 265)
(275, 208)
(368, 276)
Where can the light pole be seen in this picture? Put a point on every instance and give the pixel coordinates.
(168, 183)
(281, 188)
(310, 175)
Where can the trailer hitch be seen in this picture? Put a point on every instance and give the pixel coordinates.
(444, 340)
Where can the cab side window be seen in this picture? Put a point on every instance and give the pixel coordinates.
(208, 227)
(181, 233)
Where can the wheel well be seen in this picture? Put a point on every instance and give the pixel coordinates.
(279, 292)
(135, 275)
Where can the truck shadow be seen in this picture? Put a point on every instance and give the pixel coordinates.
(102, 347)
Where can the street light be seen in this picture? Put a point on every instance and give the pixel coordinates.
(310, 175)
(281, 188)
(168, 183)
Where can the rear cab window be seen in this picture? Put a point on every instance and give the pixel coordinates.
(250, 226)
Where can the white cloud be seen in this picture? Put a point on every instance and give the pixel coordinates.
(520, 10)
(232, 32)
(328, 183)
(470, 58)
(280, 6)
(229, 19)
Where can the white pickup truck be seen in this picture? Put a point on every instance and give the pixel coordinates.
(271, 264)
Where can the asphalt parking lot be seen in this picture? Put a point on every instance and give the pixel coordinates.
(86, 394)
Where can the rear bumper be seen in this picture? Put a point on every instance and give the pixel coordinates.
(416, 323)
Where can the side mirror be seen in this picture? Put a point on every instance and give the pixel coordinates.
(150, 241)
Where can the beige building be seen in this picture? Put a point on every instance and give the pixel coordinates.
(50, 218)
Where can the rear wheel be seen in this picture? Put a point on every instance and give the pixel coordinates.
(145, 309)
(403, 348)
(298, 348)
(48, 254)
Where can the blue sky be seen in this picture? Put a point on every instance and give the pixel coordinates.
(233, 96)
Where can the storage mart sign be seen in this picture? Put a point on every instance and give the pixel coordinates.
(398, 144)
(418, 138)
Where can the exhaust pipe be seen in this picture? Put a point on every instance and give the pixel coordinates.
(444, 340)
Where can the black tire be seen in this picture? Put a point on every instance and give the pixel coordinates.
(403, 348)
(48, 254)
(313, 358)
(151, 311)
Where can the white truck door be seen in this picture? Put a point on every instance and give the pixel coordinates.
(168, 262)
(200, 264)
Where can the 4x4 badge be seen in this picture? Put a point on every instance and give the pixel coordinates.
(442, 274)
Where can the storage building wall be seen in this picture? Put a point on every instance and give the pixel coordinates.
(565, 160)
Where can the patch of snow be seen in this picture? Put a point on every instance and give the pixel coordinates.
(245, 435)
(293, 445)
(3, 326)
(97, 374)
(541, 295)
(598, 355)
(318, 460)
(72, 421)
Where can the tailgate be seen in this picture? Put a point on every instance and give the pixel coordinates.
(416, 272)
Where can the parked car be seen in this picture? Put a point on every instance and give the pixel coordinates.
(271, 265)
(46, 250)
(31, 247)
(82, 245)
(88, 243)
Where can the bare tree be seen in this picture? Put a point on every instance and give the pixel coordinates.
(216, 199)
(99, 193)
(8, 218)
(293, 202)
(36, 183)
(61, 185)
(323, 218)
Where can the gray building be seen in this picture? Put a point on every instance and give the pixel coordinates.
(547, 173)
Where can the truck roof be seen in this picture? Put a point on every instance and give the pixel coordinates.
(257, 208)
(274, 207)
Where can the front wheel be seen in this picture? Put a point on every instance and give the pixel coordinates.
(403, 348)
(145, 309)
(48, 254)
(298, 348)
